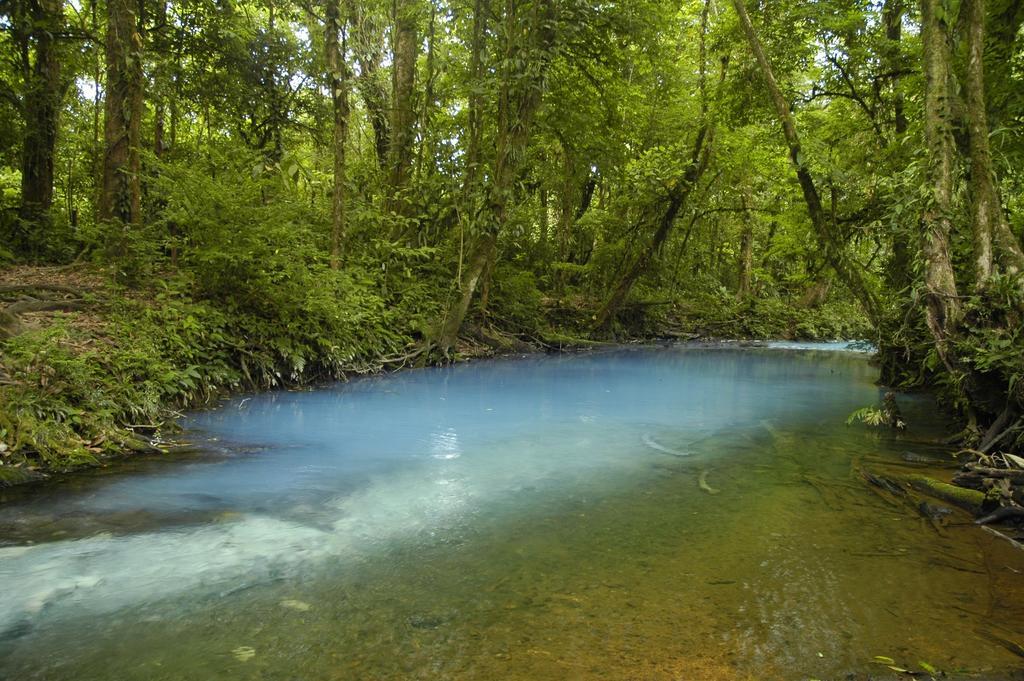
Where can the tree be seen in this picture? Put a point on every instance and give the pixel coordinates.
(942, 304)
(824, 229)
(988, 220)
(528, 38)
(338, 84)
(42, 106)
(121, 197)
(403, 104)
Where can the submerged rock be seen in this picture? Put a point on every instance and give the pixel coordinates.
(426, 621)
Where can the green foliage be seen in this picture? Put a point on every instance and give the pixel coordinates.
(993, 344)
(871, 416)
(516, 299)
(721, 314)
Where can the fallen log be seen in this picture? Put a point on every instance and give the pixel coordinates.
(884, 483)
(1013, 475)
(23, 306)
(56, 288)
(10, 326)
(970, 480)
(967, 499)
(1001, 514)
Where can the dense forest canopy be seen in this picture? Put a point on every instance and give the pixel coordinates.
(344, 178)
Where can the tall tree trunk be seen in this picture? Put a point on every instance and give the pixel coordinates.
(827, 235)
(120, 198)
(42, 105)
(900, 268)
(426, 148)
(746, 256)
(942, 307)
(475, 126)
(892, 16)
(160, 45)
(338, 81)
(403, 110)
(988, 219)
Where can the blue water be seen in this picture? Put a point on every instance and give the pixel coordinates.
(413, 469)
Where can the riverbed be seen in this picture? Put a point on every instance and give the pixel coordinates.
(653, 512)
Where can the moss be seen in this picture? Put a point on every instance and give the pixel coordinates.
(967, 499)
(10, 475)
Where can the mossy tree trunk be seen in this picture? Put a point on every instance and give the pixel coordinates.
(42, 106)
(942, 304)
(120, 196)
(988, 221)
(338, 82)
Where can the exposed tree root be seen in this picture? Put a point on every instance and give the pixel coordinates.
(10, 323)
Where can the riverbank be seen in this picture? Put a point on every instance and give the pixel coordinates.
(92, 371)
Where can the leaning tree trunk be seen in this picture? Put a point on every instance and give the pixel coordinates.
(120, 197)
(678, 195)
(677, 201)
(988, 219)
(816, 293)
(42, 113)
(942, 307)
(518, 100)
(337, 78)
(827, 235)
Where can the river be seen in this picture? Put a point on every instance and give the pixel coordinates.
(653, 512)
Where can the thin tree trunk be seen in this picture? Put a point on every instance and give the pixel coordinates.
(161, 47)
(827, 235)
(900, 269)
(97, 74)
(545, 222)
(746, 257)
(120, 198)
(42, 113)
(427, 110)
(892, 16)
(337, 78)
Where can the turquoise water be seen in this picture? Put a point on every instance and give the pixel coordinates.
(646, 512)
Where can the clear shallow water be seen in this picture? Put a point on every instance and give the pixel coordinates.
(534, 518)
